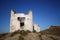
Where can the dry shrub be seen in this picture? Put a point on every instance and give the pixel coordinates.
(22, 32)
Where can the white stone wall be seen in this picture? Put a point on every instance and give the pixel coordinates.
(36, 27)
(15, 24)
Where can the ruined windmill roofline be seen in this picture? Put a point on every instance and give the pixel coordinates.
(29, 13)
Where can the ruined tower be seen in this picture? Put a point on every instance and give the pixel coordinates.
(21, 21)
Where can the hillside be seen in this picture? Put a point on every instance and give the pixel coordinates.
(53, 30)
(53, 33)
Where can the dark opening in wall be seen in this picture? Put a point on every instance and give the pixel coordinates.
(21, 18)
(33, 27)
(22, 24)
(18, 18)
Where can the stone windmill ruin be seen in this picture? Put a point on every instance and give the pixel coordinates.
(21, 21)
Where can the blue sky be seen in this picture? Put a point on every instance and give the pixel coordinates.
(45, 12)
